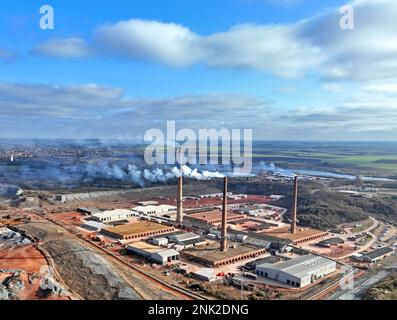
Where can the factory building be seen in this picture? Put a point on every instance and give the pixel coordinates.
(137, 230)
(205, 274)
(154, 253)
(211, 256)
(301, 235)
(297, 235)
(328, 243)
(182, 238)
(237, 196)
(93, 226)
(213, 195)
(204, 219)
(114, 215)
(88, 211)
(162, 241)
(299, 272)
(148, 203)
(155, 210)
(377, 255)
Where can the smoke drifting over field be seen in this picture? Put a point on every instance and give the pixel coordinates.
(272, 168)
(142, 177)
(71, 173)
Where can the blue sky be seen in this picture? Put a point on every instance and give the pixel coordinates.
(282, 68)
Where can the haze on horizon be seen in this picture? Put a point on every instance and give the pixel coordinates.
(282, 68)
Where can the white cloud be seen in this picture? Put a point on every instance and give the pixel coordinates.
(389, 88)
(106, 112)
(77, 102)
(286, 50)
(95, 111)
(358, 115)
(285, 90)
(166, 42)
(273, 48)
(63, 48)
(333, 87)
(368, 52)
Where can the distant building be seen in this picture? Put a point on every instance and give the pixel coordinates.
(211, 256)
(181, 238)
(237, 196)
(205, 274)
(299, 272)
(141, 229)
(148, 203)
(301, 236)
(212, 195)
(328, 243)
(93, 226)
(155, 210)
(154, 253)
(207, 218)
(253, 211)
(160, 241)
(377, 255)
(114, 215)
(60, 198)
(88, 211)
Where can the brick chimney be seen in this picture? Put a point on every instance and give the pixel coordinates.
(224, 218)
(179, 214)
(294, 209)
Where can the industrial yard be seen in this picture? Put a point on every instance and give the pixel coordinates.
(186, 239)
(120, 249)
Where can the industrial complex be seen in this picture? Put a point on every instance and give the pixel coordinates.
(225, 239)
(210, 235)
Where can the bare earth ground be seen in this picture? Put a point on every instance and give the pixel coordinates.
(89, 273)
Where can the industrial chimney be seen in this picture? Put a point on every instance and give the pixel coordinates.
(224, 218)
(294, 208)
(179, 214)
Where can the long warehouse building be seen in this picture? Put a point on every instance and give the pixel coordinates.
(299, 272)
(141, 229)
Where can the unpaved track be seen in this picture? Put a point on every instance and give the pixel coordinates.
(82, 269)
(145, 286)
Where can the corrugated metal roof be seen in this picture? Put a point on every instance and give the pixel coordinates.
(167, 253)
(300, 267)
(379, 253)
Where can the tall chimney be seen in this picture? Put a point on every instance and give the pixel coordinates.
(179, 214)
(294, 208)
(224, 218)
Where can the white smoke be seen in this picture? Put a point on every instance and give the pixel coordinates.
(141, 177)
(264, 167)
(195, 174)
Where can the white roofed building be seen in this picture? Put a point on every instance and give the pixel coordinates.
(155, 210)
(154, 253)
(114, 215)
(299, 272)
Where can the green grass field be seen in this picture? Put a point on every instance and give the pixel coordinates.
(380, 162)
